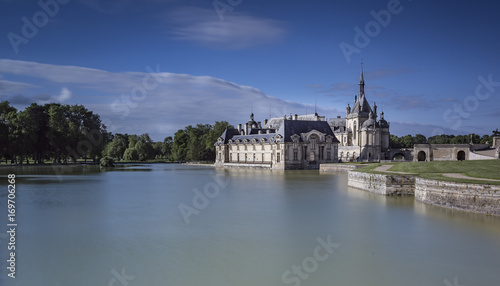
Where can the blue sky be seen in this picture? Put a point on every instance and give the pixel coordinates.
(156, 66)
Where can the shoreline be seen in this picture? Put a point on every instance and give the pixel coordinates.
(455, 191)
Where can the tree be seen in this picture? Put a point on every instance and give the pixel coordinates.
(117, 146)
(167, 148)
(420, 139)
(395, 142)
(58, 133)
(131, 154)
(144, 147)
(39, 125)
(157, 147)
(407, 141)
(6, 113)
(214, 133)
(180, 145)
(25, 133)
(197, 150)
(88, 136)
(486, 140)
(132, 140)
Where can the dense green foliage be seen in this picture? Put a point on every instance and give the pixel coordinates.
(408, 141)
(189, 144)
(107, 162)
(60, 133)
(197, 143)
(50, 132)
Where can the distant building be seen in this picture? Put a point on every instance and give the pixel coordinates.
(294, 142)
(362, 137)
(453, 152)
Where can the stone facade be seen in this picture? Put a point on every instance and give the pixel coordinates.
(452, 152)
(362, 137)
(290, 144)
(468, 197)
(338, 168)
(479, 198)
(389, 185)
(440, 152)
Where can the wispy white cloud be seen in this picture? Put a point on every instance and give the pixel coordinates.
(63, 97)
(7, 86)
(202, 26)
(172, 101)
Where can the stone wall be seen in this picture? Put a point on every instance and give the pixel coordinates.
(474, 156)
(389, 185)
(251, 166)
(340, 168)
(468, 197)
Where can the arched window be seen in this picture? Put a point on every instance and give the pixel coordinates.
(354, 131)
(461, 156)
(422, 156)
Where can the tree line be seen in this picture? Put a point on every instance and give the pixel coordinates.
(67, 133)
(50, 131)
(408, 141)
(193, 143)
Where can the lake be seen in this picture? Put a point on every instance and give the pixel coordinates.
(169, 224)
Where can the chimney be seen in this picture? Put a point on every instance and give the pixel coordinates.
(260, 131)
(239, 128)
(295, 117)
(246, 128)
(259, 125)
(265, 121)
(267, 131)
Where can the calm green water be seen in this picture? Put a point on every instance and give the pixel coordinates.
(125, 227)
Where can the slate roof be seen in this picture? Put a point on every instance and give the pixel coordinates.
(276, 122)
(286, 130)
(291, 127)
(361, 106)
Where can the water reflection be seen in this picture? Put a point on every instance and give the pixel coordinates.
(93, 220)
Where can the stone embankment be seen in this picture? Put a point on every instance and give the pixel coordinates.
(468, 197)
(341, 168)
(389, 185)
(480, 198)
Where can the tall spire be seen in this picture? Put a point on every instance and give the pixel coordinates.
(361, 82)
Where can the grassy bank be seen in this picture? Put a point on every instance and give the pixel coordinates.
(488, 169)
